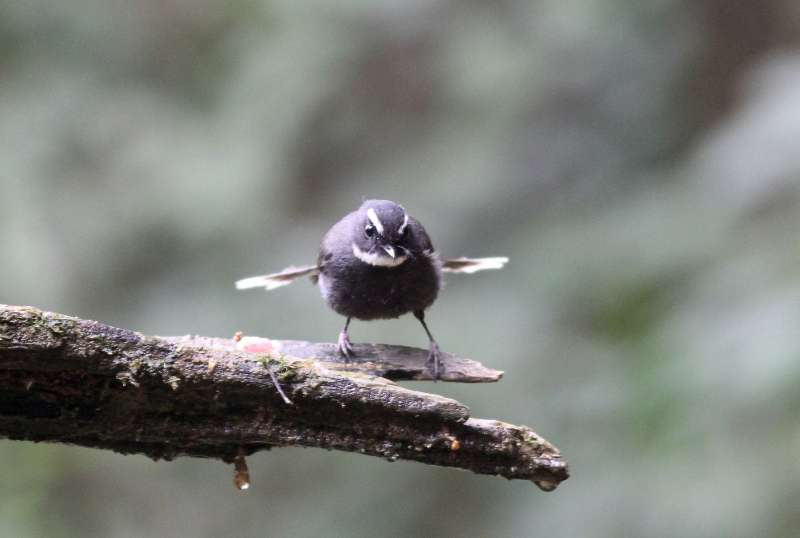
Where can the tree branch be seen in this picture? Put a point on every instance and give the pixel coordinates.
(68, 380)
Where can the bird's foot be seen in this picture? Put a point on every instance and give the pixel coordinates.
(434, 360)
(344, 346)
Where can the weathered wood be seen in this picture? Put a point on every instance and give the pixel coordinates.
(391, 362)
(68, 380)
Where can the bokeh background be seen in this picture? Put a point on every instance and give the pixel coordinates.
(638, 161)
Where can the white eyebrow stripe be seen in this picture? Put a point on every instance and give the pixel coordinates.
(373, 218)
(402, 227)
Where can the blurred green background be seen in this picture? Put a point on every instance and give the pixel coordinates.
(638, 162)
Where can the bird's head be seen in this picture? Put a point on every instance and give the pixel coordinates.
(381, 234)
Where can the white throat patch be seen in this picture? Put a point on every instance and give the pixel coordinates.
(373, 218)
(376, 259)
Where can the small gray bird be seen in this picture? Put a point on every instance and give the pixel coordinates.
(377, 263)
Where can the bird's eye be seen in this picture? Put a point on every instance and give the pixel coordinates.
(369, 230)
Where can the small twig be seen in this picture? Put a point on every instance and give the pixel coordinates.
(241, 474)
(275, 382)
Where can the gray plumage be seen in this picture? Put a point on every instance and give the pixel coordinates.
(363, 291)
(377, 263)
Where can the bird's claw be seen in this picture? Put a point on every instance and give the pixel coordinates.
(434, 359)
(344, 346)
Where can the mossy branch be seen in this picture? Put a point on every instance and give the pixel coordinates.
(68, 380)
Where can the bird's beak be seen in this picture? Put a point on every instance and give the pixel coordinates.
(389, 250)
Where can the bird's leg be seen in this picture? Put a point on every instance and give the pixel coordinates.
(344, 346)
(433, 352)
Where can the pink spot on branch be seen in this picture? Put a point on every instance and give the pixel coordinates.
(254, 344)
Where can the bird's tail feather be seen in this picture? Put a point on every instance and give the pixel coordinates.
(472, 265)
(276, 280)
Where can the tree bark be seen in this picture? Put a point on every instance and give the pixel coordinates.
(68, 380)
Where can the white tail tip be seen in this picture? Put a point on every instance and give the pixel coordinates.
(260, 282)
(473, 265)
(482, 264)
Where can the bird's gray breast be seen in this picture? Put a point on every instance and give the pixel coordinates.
(356, 289)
